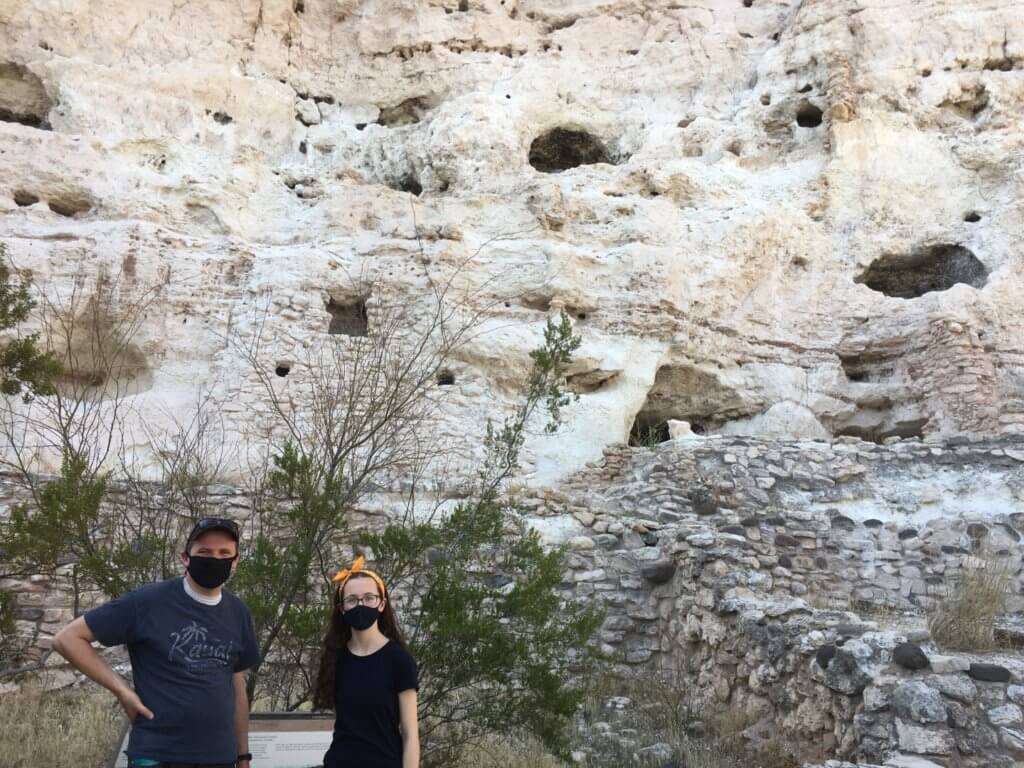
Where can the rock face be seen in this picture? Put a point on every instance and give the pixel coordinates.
(796, 224)
(799, 219)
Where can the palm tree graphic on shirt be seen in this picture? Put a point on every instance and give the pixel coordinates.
(193, 633)
(190, 642)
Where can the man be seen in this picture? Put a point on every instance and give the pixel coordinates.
(190, 642)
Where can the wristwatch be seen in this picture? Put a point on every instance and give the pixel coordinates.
(246, 756)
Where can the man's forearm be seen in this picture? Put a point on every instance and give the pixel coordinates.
(241, 721)
(83, 657)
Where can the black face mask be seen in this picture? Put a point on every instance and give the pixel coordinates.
(361, 617)
(209, 572)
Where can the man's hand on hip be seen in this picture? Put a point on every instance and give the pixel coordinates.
(133, 705)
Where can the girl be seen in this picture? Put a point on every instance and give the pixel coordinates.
(368, 677)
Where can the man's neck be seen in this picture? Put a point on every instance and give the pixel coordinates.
(209, 594)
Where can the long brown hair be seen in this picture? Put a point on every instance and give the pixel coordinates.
(337, 637)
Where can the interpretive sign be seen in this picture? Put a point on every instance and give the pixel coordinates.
(276, 740)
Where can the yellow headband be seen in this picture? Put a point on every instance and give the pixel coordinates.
(345, 574)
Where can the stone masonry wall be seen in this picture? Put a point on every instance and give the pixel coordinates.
(741, 565)
(735, 565)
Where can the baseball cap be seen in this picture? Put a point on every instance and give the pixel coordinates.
(213, 524)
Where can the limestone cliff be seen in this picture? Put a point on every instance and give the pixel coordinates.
(794, 219)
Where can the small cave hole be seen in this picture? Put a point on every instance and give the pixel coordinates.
(864, 367)
(69, 205)
(360, 126)
(973, 217)
(904, 430)
(537, 302)
(979, 535)
(445, 378)
(463, 6)
(648, 433)
(283, 369)
(1004, 64)
(563, 148)
(748, 3)
(806, 89)
(348, 318)
(926, 270)
(410, 184)
(223, 118)
(408, 112)
(299, 7)
(23, 198)
(23, 98)
(587, 382)
(766, 99)
(303, 147)
(808, 115)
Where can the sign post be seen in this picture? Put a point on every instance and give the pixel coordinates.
(276, 740)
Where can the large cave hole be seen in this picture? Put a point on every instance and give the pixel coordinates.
(23, 99)
(348, 318)
(926, 270)
(685, 392)
(563, 148)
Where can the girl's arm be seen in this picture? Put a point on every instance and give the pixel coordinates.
(410, 729)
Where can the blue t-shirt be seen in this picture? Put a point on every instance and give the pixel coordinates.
(183, 655)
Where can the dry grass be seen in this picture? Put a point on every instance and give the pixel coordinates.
(509, 753)
(49, 728)
(965, 620)
(665, 710)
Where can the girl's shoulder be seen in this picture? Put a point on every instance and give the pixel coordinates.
(397, 651)
(400, 658)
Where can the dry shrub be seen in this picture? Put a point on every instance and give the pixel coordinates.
(48, 728)
(965, 619)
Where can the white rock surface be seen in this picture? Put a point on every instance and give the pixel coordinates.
(248, 155)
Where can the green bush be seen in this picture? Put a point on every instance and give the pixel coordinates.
(497, 649)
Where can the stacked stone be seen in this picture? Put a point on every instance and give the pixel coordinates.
(962, 375)
(734, 560)
(780, 507)
(703, 561)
